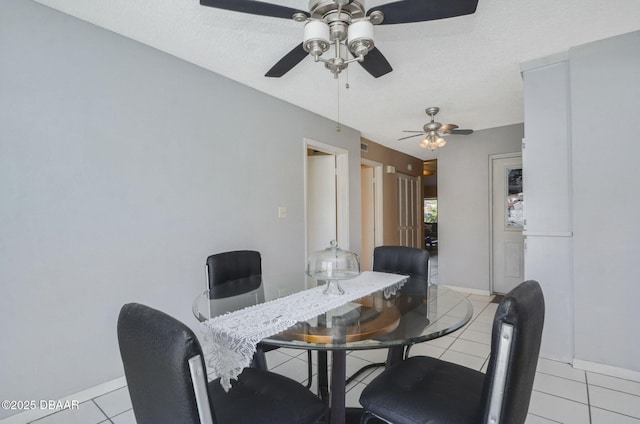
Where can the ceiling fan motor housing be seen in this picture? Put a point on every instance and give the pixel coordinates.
(321, 9)
(432, 126)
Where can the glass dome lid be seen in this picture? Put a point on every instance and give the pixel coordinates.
(333, 264)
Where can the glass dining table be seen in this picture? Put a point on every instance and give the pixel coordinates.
(415, 313)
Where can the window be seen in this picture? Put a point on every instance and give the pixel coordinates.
(430, 211)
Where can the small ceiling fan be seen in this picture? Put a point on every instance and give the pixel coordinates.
(434, 132)
(346, 25)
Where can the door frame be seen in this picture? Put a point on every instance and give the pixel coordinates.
(491, 212)
(342, 190)
(378, 175)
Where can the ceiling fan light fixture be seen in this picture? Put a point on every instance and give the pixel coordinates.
(360, 37)
(433, 141)
(316, 38)
(432, 146)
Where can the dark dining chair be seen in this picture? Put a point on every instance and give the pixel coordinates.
(167, 381)
(422, 389)
(409, 261)
(235, 273)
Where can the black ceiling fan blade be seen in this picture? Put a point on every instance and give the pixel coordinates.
(410, 136)
(254, 8)
(287, 63)
(461, 132)
(376, 64)
(406, 11)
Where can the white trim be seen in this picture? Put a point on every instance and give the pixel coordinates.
(606, 370)
(80, 397)
(342, 197)
(378, 175)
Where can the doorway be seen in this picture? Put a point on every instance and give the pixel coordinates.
(506, 222)
(326, 196)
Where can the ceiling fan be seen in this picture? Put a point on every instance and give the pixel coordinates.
(434, 132)
(346, 25)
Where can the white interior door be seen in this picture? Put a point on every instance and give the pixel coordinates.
(409, 203)
(321, 201)
(507, 268)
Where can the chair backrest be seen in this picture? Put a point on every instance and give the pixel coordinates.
(515, 346)
(163, 366)
(407, 261)
(233, 273)
(401, 260)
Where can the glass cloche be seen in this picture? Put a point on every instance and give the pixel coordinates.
(332, 265)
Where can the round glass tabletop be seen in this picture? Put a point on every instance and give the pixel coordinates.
(417, 312)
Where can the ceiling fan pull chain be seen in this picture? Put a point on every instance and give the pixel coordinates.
(338, 127)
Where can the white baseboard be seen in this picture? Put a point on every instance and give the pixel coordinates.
(83, 396)
(607, 370)
(468, 290)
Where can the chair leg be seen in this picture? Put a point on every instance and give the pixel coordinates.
(309, 370)
(259, 359)
(406, 352)
(363, 369)
(394, 354)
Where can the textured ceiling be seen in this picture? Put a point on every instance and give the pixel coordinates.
(468, 66)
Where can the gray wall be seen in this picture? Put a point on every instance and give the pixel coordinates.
(121, 169)
(605, 88)
(463, 204)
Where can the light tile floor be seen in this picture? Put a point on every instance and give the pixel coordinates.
(561, 394)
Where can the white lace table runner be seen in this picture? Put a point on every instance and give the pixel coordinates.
(230, 340)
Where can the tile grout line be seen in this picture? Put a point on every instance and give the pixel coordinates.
(586, 379)
(559, 376)
(121, 413)
(562, 397)
(615, 390)
(544, 418)
(100, 409)
(618, 413)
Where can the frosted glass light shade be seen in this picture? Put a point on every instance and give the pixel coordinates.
(316, 37)
(362, 29)
(360, 37)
